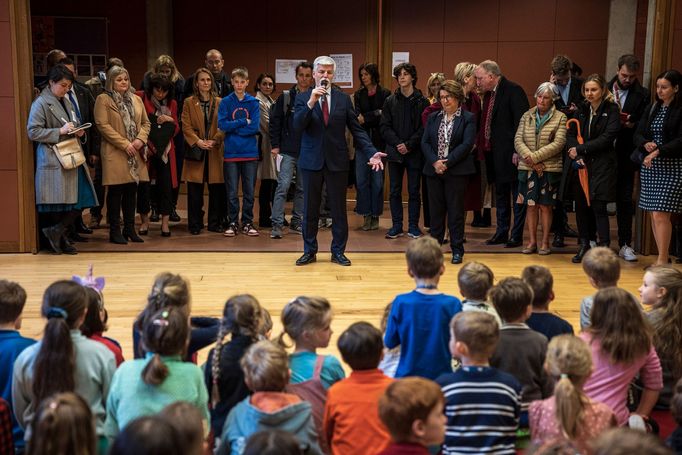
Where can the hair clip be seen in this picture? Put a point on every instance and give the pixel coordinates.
(164, 314)
(53, 405)
(89, 281)
(564, 376)
(56, 312)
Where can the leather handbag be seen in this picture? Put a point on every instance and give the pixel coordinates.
(69, 153)
(195, 153)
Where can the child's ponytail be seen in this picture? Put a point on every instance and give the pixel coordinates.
(570, 362)
(302, 314)
(165, 333)
(64, 303)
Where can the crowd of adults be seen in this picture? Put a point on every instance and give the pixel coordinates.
(470, 143)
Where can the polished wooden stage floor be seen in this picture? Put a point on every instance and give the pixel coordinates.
(359, 292)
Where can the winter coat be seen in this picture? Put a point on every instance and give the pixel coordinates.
(545, 147)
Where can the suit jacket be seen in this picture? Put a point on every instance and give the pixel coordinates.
(510, 104)
(193, 129)
(597, 151)
(672, 131)
(325, 145)
(115, 169)
(86, 106)
(460, 160)
(635, 105)
(54, 184)
(575, 96)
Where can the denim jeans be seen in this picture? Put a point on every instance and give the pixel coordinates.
(234, 170)
(286, 174)
(395, 174)
(369, 186)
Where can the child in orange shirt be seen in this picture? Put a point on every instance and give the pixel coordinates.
(351, 418)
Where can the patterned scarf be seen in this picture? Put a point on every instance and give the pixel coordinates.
(445, 133)
(125, 108)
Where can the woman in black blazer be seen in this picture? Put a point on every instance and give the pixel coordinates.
(447, 143)
(599, 118)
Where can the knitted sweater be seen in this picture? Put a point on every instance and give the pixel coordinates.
(544, 147)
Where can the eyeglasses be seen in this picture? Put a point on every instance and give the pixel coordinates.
(446, 97)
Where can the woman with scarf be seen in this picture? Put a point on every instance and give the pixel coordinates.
(162, 111)
(60, 193)
(123, 124)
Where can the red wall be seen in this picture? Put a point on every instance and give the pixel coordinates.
(522, 37)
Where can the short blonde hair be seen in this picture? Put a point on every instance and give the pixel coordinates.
(602, 265)
(424, 257)
(266, 367)
(462, 70)
(475, 280)
(478, 330)
(240, 71)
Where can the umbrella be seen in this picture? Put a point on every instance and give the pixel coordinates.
(582, 171)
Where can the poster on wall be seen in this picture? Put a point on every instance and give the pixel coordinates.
(400, 57)
(344, 70)
(285, 70)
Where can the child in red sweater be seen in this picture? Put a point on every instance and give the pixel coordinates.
(351, 418)
(412, 410)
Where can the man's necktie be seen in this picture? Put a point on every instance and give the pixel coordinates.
(325, 110)
(75, 106)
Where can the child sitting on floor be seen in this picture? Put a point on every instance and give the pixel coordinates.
(412, 411)
(602, 267)
(475, 280)
(541, 281)
(351, 420)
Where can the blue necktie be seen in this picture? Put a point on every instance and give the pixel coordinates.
(75, 106)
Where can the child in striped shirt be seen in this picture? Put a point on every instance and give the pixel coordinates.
(482, 404)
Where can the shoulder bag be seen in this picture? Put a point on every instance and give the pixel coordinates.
(69, 153)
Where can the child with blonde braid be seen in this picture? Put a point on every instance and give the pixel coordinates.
(242, 319)
(569, 414)
(661, 290)
(307, 321)
(143, 387)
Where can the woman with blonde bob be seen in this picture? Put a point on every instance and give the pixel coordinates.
(124, 126)
(569, 414)
(539, 141)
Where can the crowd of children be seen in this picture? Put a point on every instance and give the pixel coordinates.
(494, 372)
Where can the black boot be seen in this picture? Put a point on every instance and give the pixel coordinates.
(486, 218)
(584, 247)
(54, 234)
(115, 235)
(558, 240)
(67, 248)
(130, 234)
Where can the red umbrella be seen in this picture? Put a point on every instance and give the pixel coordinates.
(582, 171)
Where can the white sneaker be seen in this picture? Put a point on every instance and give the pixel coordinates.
(627, 253)
(636, 422)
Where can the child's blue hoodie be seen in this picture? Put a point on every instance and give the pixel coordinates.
(241, 142)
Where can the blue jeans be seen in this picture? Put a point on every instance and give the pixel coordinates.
(234, 170)
(370, 188)
(286, 174)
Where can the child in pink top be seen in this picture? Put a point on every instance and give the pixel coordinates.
(569, 414)
(621, 344)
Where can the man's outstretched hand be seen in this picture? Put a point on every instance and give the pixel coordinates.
(375, 161)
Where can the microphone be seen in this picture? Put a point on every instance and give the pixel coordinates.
(324, 83)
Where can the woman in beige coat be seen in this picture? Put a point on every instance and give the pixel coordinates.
(539, 141)
(124, 126)
(200, 128)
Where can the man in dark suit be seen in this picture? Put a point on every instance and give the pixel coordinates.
(632, 99)
(504, 103)
(322, 114)
(570, 96)
(214, 63)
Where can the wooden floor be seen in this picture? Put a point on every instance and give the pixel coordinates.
(359, 292)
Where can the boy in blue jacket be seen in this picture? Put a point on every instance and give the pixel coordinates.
(239, 118)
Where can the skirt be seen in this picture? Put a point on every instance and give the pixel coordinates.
(536, 190)
(86, 197)
(661, 186)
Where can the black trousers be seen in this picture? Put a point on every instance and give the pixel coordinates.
(336, 198)
(446, 197)
(99, 189)
(217, 205)
(592, 220)
(625, 208)
(266, 196)
(121, 197)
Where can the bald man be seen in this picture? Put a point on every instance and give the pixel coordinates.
(214, 63)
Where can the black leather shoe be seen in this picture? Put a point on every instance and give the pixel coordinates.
(570, 232)
(129, 234)
(53, 234)
(66, 247)
(513, 243)
(81, 228)
(74, 236)
(307, 258)
(174, 217)
(578, 258)
(497, 239)
(456, 258)
(340, 259)
(558, 241)
(165, 233)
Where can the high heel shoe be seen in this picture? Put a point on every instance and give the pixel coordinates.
(143, 231)
(165, 233)
(129, 234)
